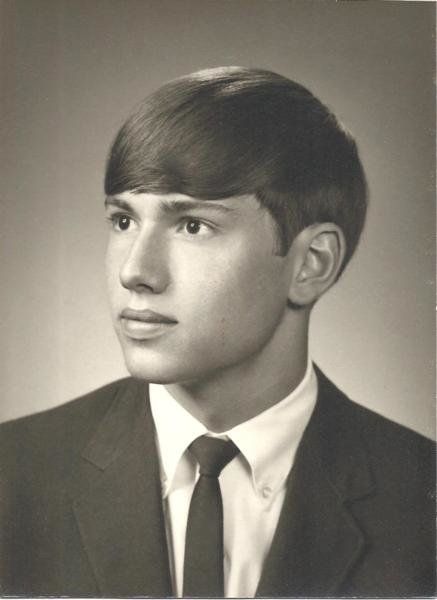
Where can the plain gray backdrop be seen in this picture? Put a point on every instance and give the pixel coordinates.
(70, 73)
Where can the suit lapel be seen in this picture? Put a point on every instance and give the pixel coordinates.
(117, 501)
(317, 541)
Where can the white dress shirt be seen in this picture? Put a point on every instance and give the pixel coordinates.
(252, 485)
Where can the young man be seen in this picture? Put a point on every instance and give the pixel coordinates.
(234, 200)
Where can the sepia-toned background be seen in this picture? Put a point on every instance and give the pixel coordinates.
(69, 73)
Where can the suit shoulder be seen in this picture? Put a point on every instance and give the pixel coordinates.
(61, 426)
(394, 449)
(339, 405)
(404, 458)
(385, 434)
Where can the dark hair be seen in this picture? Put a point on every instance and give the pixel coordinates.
(231, 131)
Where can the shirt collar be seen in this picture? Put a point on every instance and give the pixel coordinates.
(268, 441)
(175, 428)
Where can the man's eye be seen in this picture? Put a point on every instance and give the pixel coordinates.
(195, 227)
(120, 222)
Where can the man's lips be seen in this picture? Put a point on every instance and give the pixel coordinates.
(146, 316)
(143, 325)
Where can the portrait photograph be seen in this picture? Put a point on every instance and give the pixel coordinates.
(217, 299)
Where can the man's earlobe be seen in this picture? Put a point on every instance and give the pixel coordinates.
(319, 254)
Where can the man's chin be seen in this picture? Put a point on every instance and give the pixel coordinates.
(149, 373)
(155, 369)
(166, 365)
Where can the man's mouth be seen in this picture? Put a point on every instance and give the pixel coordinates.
(146, 316)
(144, 324)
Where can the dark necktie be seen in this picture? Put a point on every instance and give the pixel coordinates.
(203, 564)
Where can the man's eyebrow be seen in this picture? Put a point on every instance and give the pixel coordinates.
(180, 206)
(117, 202)
(173, 206)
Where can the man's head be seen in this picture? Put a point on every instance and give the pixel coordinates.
(234, 131)
(235, 199)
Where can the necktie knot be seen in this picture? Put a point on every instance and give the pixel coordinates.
(212, 454)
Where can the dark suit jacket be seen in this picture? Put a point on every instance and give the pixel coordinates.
(82, 514)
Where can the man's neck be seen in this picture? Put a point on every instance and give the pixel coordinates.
(236, 394)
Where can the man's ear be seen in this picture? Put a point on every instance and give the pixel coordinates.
(318, 254)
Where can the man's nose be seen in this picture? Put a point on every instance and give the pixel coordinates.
(145, 267)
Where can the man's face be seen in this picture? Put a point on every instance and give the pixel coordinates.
(195, 286)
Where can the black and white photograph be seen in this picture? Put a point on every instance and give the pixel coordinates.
(217, 299)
